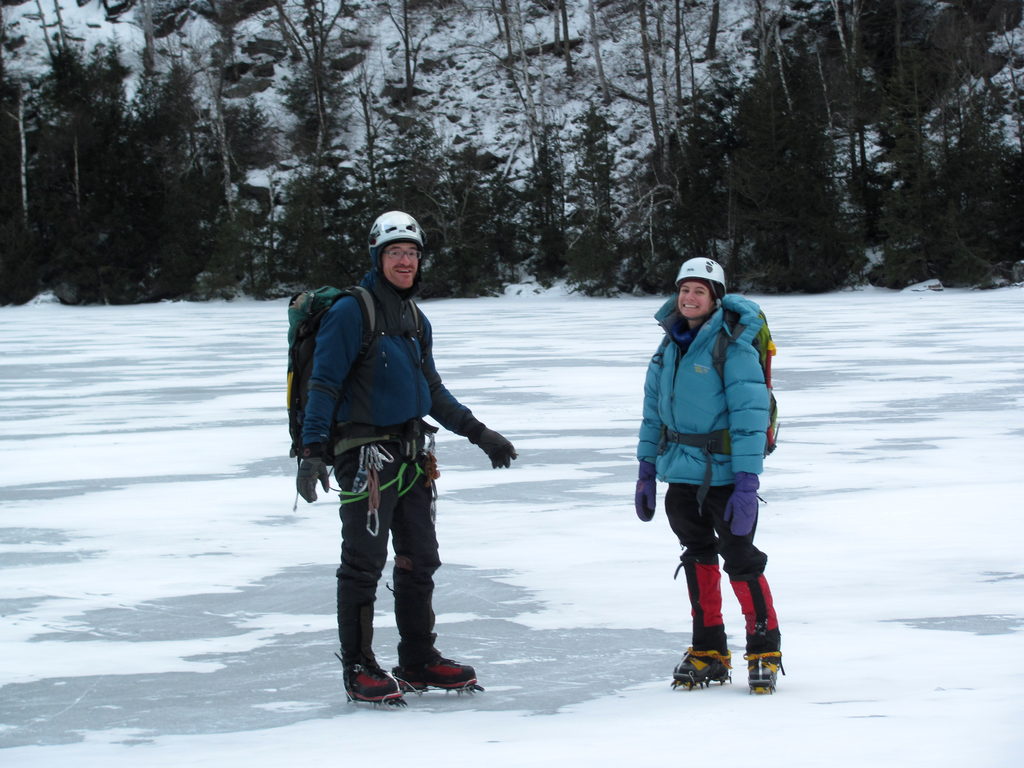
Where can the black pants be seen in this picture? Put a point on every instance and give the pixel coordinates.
(704, 535)
(404, 512)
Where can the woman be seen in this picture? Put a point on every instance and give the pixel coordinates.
(703, 432)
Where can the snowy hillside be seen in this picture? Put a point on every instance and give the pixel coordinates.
(464, 53)
(243, 147)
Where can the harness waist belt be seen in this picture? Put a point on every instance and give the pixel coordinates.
(715, 442)
(708, 442)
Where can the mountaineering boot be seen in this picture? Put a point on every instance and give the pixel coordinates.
(368, 682)
(762, 669)
(438, 673)
(701, 668)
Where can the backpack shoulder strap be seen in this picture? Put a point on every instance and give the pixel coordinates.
(369, 310)
(731, 330)
(418, 315)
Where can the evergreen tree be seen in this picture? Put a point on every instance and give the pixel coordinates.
(914, 222)
(594, 250)
(466, 257)
(700, 162)
(321, 232)
(83, 163)
(545, 198)
(791, 232)
(1011, 197)
(176, 192)
(970, 165)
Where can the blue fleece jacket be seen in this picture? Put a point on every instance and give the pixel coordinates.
(397, 382)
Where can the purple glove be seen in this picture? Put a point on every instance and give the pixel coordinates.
(645, 498)
(741, 508)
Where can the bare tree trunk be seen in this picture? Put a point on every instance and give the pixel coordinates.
(148, 35)
(782, 66)
(46, 35)
(1018, 97)
(371, 131)
(526, 91)
(407, 49)
(224, 150)
(824, 90)
(76, 180)
(652, 108)
(62, 33)
(596, 45)
(678, 35)
(761, 25)
(311, 43)
(3, 42)
(19, 118)
(565, 37)
(711, 51)
(223, 56)
(848, 30)
(410, 50)
(694, 94)
(505, 27)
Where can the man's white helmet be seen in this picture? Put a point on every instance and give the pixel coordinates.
(391, 227)
(704, 269)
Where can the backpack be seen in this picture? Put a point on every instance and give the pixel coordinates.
(306, 310)
(765, 351)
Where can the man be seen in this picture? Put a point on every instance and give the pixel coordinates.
(376, 397)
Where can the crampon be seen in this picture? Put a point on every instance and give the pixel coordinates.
(762, 671)
(369, 684)
(441, 674)
(698, 669)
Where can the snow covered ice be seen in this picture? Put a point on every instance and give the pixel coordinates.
(163, 603)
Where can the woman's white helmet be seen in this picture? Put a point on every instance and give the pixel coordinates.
(394, 226)
(703, 269)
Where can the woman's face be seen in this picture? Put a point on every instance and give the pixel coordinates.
(695, 301)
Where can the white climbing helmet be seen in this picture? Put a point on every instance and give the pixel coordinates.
(704, 269)
(394, 226)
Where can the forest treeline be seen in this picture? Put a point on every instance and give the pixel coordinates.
(845, 148)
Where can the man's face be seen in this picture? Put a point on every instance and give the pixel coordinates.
(399, 262)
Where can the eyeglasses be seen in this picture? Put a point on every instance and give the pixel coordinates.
(401, 253)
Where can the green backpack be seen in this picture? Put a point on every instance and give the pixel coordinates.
(765, 351)
(306, 310)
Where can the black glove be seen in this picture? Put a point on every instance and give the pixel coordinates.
(499, 450)
(312, 468)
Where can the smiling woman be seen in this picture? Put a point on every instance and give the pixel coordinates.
(703, 433)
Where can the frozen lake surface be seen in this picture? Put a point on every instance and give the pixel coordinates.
(164, 602)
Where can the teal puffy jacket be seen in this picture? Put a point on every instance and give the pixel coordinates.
(685, 394)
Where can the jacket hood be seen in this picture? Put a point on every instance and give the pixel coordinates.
(749, 314)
